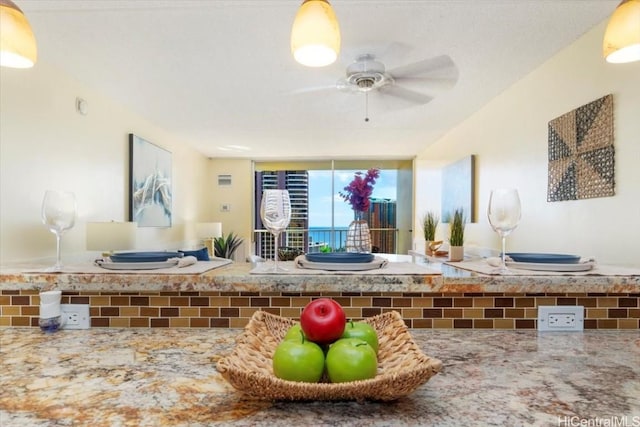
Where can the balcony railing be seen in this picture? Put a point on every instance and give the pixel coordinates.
(315, 239)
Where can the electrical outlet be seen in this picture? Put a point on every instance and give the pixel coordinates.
(75, 316)
(564, 320)
(561, 318)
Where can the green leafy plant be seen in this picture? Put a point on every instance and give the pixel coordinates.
(456, 227)
(224, 247)
(429, 224)
(325, 249)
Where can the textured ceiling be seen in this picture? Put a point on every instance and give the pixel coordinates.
(219, 75)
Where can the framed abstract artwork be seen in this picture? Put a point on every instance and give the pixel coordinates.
(581, 153)
(150, 183)
(458, 188)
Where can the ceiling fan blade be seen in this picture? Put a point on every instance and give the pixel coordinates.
(439, 66)
(405, 94)
(432, 84)
(313, 89)
(343, 86)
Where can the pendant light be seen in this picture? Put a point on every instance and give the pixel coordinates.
(17, 43)
(622, 37)
(315, 36)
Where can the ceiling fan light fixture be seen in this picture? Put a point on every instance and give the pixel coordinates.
(622, 37)
(17, 42)
(365, 84)
(315, 36)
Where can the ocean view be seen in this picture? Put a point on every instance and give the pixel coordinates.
(319, 235)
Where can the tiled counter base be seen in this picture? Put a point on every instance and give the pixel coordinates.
(227, 297)
(233, 309)
(167, 377)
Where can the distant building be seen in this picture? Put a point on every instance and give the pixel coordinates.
(381, 218)
(296, 237)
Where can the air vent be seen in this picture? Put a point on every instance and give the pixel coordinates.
(224, 180)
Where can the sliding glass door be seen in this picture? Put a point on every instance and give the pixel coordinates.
(321, 214)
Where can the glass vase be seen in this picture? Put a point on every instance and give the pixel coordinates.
(358, 235)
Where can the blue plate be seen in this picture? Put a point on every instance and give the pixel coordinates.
(144, 256)
(544, 258)
(340, 257)
(200, 254)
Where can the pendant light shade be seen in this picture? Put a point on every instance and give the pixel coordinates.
(622, 38)
(17, 42)
(315, 36)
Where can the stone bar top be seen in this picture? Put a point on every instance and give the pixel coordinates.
(153, 377)
(437, 277)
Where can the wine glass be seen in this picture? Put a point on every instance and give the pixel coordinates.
(59, 215)
(504, 214)
(275, 211)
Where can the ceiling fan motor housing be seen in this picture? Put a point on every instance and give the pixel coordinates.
(367, 74)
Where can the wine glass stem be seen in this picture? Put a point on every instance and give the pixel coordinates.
(276, 237)
(58, 260)
(504, 253)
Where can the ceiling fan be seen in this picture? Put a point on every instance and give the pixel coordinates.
(366, 74)
(416, 83)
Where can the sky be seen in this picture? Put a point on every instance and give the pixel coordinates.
(320, 196)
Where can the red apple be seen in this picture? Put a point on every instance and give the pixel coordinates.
(323, 320)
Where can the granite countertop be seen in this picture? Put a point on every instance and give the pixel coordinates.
(435, 277)
(151, 377)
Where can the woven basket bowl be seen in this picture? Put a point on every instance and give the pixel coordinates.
(402, 366)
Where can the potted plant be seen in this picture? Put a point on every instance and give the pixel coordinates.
(358, 194)
(456, 235)
(224, 247)
(429, 225)
(325, 249)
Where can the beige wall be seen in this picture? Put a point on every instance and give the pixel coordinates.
(509, 138)
(46, 144)
(238, 196)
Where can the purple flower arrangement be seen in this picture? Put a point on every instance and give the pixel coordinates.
(358, 192)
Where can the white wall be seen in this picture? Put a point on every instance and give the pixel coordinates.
(428, 184)
(509, 138)
(46, 144)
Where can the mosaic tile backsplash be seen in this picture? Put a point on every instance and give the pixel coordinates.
(204, 309)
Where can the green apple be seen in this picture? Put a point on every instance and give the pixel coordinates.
(351, 359)
(363, 331)
(298, 360)
(293, 332)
